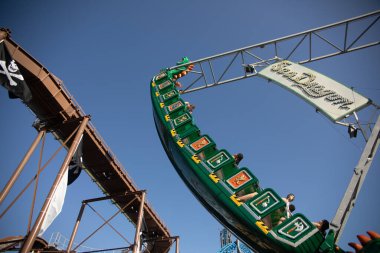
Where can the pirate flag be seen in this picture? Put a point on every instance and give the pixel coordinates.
(75, 165)
(11, 78)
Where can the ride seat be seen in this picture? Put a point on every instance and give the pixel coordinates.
(242, 182)
(204, 147)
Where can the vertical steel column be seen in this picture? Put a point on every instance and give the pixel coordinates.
(20, 167)
(353, 189)
(136, 245)
(76, 227)
(31, 236)
(177, 244)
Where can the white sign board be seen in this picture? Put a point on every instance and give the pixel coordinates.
(333, 99)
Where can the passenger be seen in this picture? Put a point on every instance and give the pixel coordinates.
(289, 214)
(238, 157)
(190, 107)
(292, 208)
(178, 84)
(322, 225)
(287, 200)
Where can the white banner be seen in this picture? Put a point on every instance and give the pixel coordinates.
(56, 204)
(330, 97)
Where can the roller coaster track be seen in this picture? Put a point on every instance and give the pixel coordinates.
(60, 114)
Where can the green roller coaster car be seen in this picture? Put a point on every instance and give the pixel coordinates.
(217, 182)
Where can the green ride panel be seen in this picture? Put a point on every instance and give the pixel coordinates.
(175, 106)
(241, 180)
(299, 232)
(165, 84)
(220, 159)
(201, 143)
(266, 202)
(169, 95)
(160, 76)
(182, 119)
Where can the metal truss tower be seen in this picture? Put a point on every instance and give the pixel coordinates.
(229, 246)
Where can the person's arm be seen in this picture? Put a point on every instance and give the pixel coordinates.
(247, 196)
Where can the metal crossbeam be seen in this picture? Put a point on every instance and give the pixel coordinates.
(245, 62)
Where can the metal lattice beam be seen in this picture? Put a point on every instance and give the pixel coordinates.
(302, 48)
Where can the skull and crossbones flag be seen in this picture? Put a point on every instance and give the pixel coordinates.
(11, 77)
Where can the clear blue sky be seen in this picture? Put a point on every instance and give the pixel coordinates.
(106, 53)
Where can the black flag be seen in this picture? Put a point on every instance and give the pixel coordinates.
(11, 78)
(76, 164)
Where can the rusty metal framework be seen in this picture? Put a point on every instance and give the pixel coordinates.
(58, 113)
(303, 47)
(132, 247)
(20, 167)
(31, 237)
